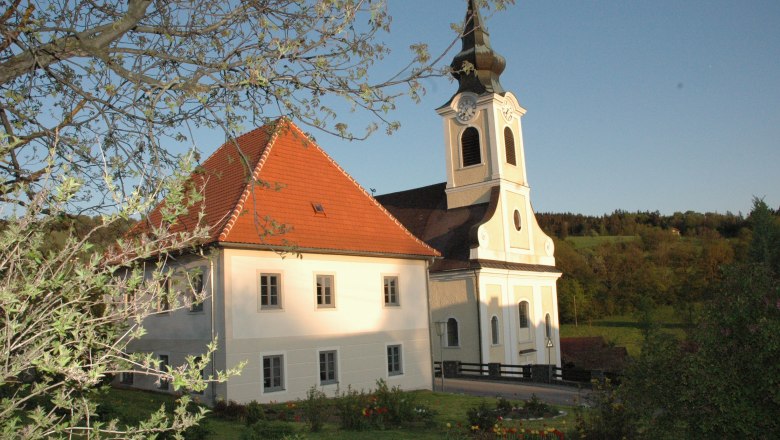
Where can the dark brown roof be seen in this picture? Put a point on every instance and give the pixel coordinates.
(452, 232)
(424, 213)
(593, 353)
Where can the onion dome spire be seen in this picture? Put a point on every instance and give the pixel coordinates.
(487, 64)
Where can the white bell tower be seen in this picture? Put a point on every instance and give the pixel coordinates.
(482, 122)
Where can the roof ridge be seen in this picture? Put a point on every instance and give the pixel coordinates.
(276, 127)
(363, 190)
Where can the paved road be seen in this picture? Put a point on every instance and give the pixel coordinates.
(553, 394)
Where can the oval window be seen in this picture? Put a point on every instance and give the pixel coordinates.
(518, 220)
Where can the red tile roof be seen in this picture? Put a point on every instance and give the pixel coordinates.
(262, 189)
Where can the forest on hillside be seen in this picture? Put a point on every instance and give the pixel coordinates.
(612, 264)
(625, 261)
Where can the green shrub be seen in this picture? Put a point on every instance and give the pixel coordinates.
(482, 416)
(268, 430)
(351, 408)
(503, 406)
(384, 408)
(315, 409)
(197, 432)
(607, 417)
(536, 408)
(230, 410)
(253, 413)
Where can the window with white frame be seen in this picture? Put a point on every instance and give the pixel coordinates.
(325, 294)
(270, 295)
(328, 367)
(453, 339)
(391, 291)
(494, 330)
(394, 361)
(162, 364)
(273, 373)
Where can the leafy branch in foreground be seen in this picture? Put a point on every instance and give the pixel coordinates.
(117, 80)
(68, 314)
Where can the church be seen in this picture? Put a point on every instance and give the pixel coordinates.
(370, 288)
(493, 295)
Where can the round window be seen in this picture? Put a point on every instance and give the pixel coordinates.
(518, 221)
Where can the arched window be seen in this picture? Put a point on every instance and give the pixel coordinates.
(469, 146)
(509, 146)
(494, 330)
(522, 309)
(547, 326)
(452, 333)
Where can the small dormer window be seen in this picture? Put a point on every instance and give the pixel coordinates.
(509, 146)
(469, 144)
(318, 208)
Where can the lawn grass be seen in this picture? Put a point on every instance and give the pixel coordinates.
(449, 408)
(625, 330)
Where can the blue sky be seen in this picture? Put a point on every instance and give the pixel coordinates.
(634, 105)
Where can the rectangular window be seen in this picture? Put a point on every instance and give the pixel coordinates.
(325, 291)
(163, 366)
(127, 378)
(328, 367)
(394, 366)
(391, 291)
(196, 295)
(273, 377)
(270, 291)
(164, 304)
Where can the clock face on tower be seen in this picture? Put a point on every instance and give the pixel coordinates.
(467, 108)
(508, 111)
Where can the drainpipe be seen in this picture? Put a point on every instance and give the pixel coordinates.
(479, 314)
(428, 263)
(213, 313)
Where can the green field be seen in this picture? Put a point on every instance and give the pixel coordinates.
(625, 330)
(133, 406)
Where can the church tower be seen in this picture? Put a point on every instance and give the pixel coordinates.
(484, 152)
(482, 122)
(495, 286)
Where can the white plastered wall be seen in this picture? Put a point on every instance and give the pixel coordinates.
(359, 327)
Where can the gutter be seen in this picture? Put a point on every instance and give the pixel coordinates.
(213, 315)
(428, 264)
(299, 250)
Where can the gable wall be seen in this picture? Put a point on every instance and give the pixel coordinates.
(180, 333)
